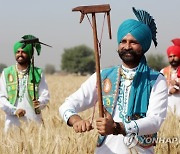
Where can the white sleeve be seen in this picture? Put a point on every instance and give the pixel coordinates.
(5, 105)
(162, 70)
(43, 92)
(84, 98)
(157, 108)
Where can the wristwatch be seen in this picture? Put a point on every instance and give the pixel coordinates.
(117, 128)
(176, 87)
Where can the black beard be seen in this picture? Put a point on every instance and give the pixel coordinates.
(133, 59)
(175, 63)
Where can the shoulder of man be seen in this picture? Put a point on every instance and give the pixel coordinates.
(9, 69)
(38, 70)
(10, 73)
(109, 70)
(154, 75)
(166, 69)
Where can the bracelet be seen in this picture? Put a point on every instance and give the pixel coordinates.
(117, 129)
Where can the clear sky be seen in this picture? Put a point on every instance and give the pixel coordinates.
(54, 23)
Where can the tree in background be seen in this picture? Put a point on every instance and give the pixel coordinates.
(50, 69)
(2, 66)
(156, 61)
(79, 59)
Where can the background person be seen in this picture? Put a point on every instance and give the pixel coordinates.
(172, 74)
(16, 88)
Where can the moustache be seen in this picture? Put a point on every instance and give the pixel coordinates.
(175, 63)
(20, 57)
(124, 52)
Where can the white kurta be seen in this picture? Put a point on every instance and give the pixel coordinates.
(173, 99)
(11, 118)
(85, 97)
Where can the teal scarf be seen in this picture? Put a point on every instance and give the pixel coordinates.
(141, 88)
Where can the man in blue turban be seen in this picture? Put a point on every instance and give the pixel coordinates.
(134, 95)
(18, 88)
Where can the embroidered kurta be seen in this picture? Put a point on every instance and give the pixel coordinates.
(173, 99)
(86, 95)
(22, 102)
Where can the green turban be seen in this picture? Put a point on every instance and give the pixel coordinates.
(27, 49)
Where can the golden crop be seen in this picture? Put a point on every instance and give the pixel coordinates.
(56, 137)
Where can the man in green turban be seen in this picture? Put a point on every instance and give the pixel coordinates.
(19, 84)
(27, 49)
(134, 95)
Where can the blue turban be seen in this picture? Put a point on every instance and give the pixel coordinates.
(140, 31)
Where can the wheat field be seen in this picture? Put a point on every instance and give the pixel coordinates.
(54, 136)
